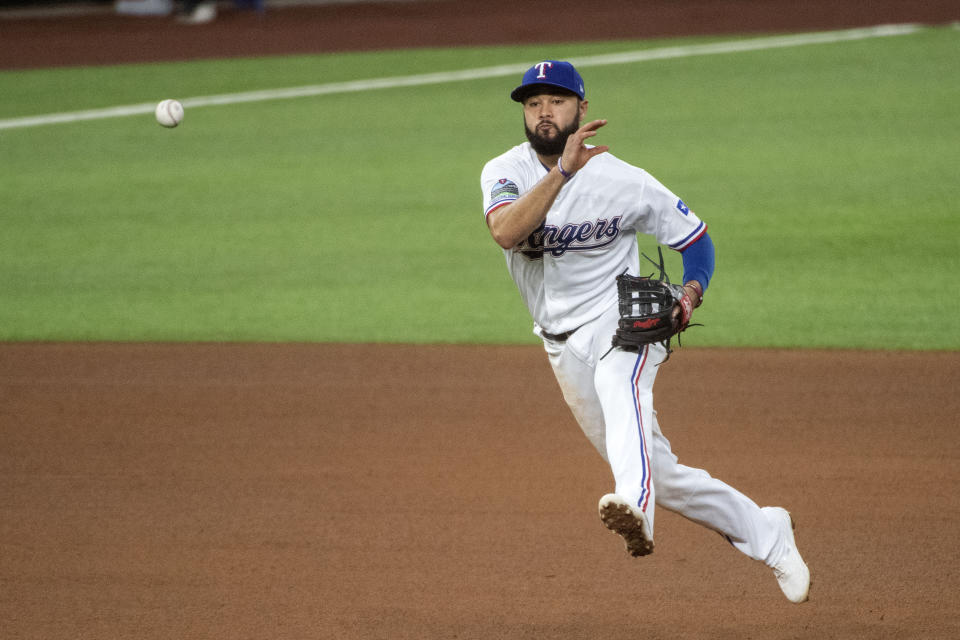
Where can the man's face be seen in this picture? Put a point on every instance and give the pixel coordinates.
(550, 119)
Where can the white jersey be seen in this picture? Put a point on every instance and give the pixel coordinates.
(566, 270)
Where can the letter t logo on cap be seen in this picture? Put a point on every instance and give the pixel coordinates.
(542, 68)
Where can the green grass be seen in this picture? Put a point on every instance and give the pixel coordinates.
(827, 174)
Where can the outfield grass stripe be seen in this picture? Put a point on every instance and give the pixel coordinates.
(442, 77)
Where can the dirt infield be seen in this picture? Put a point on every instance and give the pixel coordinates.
(361, 491)
(323, 491)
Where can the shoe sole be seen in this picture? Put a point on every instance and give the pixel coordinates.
(619, 518)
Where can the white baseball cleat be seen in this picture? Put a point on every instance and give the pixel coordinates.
(622, 518)
(791, 571)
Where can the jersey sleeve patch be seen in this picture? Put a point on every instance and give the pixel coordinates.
(502, 192)
(684, 209)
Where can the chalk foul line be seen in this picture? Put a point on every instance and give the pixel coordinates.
(443, 77)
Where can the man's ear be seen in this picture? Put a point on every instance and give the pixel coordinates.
(583, 109)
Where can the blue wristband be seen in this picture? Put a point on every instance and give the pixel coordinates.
(560, 169)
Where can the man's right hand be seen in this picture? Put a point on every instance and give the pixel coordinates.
(576, 153)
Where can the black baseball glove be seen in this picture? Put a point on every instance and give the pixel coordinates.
(648, 310)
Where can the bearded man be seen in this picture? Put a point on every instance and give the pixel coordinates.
(567, 215)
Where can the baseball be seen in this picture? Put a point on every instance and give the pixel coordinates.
(169, 113)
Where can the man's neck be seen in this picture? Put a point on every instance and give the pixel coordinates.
(549, 162)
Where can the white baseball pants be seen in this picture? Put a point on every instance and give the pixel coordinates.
(612, 399)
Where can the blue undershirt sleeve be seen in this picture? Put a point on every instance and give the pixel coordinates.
(698, 261)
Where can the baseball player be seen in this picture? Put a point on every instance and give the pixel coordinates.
(566, 215)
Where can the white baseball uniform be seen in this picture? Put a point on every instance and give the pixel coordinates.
(566, 273)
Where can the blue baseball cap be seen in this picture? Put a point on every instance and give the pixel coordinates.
(550, 73)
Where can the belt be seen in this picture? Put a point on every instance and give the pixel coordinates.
(558, 337)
